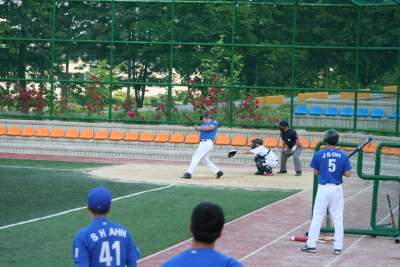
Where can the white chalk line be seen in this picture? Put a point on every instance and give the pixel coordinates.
(293, 229)
(81, 208)
(44, 168)
(359, 240)
(228, 223)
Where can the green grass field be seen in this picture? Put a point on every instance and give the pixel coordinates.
(157, 220)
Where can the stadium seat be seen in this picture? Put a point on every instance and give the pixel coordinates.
(131, 136)
(347, 112)
(3, 130)
(362, 112)
(72, 133)
(395, 151)
(316, 111)
(304, 142)
(13, 131)
(57, 133)
(101, 135)
(250, 139)
(223, 139)
(301, 110)
(161, 137)
(238, 140)
(192, 139)
(393, 115)
(314, 143)
(370, 148)
(42, 132)
(116, 136)
(377, 113)
(28, 132)
(331, 111)
(271, 142)
(146, 137)
(86, 134)
(177, 138)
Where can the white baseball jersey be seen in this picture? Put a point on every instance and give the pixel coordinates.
(270, 157)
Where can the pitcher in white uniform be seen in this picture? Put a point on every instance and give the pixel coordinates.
(208, 131)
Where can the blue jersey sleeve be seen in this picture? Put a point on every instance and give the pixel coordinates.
(314, 162)
(133, 252)
(80, 252)
(234, 263)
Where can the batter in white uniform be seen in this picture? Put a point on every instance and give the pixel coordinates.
(330, 164)
(208, 131)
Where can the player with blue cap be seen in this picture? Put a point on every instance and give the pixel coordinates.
(103, 243)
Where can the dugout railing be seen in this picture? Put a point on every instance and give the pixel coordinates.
(374, 229)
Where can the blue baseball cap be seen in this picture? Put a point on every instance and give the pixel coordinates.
(99, 199)
(205, 116)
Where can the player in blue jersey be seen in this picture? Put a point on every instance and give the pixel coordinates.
(208, 131)
(103, 243)
(330, 164)
(206, 226)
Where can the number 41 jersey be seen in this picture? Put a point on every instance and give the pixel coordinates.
(103, 243)
(331, 163)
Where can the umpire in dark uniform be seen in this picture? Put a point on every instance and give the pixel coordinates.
(291, 146)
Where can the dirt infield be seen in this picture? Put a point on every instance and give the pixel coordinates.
(170, 172)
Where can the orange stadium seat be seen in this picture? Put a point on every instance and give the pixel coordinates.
(57, 133)
(370, 148)
(161, 137)
(72, 133)
(386, 150)
(314, 143)
(101, 135)
(223, 140)
(116, 136)
(13, 131)
(395, 151)
(3, 130)
(146, 137)
(131, 136)
(192, 139)
(28, 132)
(270, 142)
(239, 140)
(304, 142)
(86, 134)
(43, 132)
(177, 138)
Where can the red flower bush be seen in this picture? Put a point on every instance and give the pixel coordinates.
(248, 108)
(205, 102)
(31, 97)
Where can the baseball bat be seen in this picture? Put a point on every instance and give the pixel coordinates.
(391, 212)
(188, 117)
(360, 146)
(304, 238)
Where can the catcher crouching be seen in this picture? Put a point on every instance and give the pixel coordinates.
(265, 158)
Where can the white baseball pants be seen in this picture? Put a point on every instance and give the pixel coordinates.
(329, 196)
(201, 155)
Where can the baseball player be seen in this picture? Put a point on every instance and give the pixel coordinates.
(103, 243)
(206, 226)
(291, 147)
(208, 130)
(330, 164)
(265, 158)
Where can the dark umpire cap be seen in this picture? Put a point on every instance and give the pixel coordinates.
(99, 199)
(283, 123)
(205, 116)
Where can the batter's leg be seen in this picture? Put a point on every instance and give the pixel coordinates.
(320, 206)
(336, 212)
(202, 150)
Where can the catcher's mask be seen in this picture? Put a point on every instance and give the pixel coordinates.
(255, 142)
(331, 137)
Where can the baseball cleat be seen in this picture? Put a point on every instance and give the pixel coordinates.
(281, 172)
(308, 249)
(186, 175)
(298, 174)
(219, 174)
(337, 251)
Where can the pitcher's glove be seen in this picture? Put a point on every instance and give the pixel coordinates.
(232, 153)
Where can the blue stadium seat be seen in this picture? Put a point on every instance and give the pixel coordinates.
(316, 110)
(393, 115)
(377, 113)
(362, 112)
(331, 111)
(301, 110)
(347, 112)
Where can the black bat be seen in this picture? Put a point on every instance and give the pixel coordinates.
(360, 146)
(391, 212)
(188, 118)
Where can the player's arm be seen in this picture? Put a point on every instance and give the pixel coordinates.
(347, 168)
(205, 128)
(80, 252)
(133, 252)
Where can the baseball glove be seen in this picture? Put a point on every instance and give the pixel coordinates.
(232, 153)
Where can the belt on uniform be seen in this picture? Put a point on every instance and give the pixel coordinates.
(329, 183)
(203, 140)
